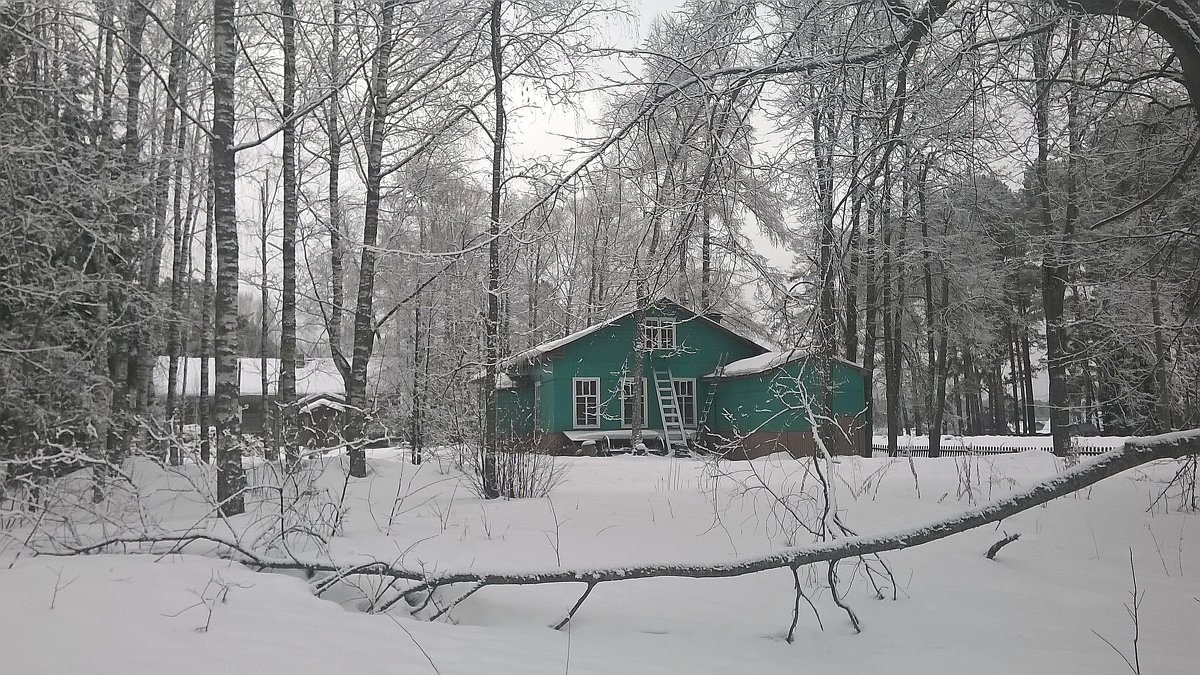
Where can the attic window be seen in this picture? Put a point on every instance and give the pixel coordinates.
(660, 332)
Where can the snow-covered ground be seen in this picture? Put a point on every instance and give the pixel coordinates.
(1046, 604)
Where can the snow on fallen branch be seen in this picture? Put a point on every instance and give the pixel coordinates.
(1134, 453)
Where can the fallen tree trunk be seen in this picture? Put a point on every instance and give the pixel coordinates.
(1134, 453)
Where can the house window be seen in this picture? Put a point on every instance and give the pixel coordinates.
(685, 396)
(587, 402)
(660, 332)
(628, 399)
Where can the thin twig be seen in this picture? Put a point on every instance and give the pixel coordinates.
(837, 600)
(471, 591)
(574, 609)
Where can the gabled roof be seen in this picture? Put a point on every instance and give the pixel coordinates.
(547, 350)
(756, 365)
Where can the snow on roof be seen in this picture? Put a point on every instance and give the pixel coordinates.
(757, 364)
(330, 403)
(764, 362)
(318, 376)
(533, 354)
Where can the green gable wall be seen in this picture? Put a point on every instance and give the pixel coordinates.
(775, 400)
(548, 391)
(608, 354)
(513, 411)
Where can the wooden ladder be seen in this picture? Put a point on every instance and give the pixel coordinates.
(702, 420)
(674, 435)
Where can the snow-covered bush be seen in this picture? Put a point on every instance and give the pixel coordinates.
(513, 474)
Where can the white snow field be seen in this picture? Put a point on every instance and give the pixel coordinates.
(1058, 600)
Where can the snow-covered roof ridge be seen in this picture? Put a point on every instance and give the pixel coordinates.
(532, 354)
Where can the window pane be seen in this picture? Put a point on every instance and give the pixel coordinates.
(685, 394)
(587, 402)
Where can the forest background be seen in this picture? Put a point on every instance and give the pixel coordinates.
(962, 186)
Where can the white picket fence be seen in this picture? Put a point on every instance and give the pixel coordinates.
(954, 446)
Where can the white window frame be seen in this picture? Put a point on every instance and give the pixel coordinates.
(660, 332)
(577, 398)
(625, 382)
(695, 413)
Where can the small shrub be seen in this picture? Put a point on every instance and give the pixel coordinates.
(513, 474)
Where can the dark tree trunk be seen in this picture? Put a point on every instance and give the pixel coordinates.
(855, 245)
(364, 315)
(1161, 376)
(122, 346)
(893, 295)
(973, 395)
(493, 328)
(891, 337)
(207, 324)
(264, 325)
(996, 397)
(932, 323)
(637, 424)
(337, 296)
(870, 312)
(935, 308)
(180, 242)
(823, 151)
(1014, 368)
(418, 387)
(1055, 260)
(1027, 383)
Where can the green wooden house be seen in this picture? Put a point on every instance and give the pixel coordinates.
(704, 384)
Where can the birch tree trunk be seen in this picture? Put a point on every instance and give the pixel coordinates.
(286, 394)
(231, 477)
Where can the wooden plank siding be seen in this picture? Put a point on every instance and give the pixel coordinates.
(768, 412)
(753, 413)
(608, 355)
